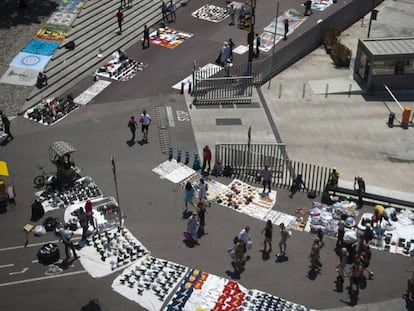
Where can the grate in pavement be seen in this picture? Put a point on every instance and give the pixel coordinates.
(229, 121)
(162, 124)
(165, 140)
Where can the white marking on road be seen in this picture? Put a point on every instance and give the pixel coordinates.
(182, 115)
(41, 278)
(35, 261)
(7, 266)
(32, 245)
(19, 272)
(170, 116)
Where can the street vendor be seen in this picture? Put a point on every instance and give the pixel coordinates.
(379, 215)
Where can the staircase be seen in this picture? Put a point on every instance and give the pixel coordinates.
(95, 28)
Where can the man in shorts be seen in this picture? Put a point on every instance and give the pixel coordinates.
(145, 121)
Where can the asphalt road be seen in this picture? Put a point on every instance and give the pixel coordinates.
(152, 206)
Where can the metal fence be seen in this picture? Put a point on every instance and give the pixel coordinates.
(248, 160)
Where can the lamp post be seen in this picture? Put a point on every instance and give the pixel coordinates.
(274, 41)
(250, 36)
(372, 18)
(116, 188)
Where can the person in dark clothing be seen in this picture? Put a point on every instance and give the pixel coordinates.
(146, 41)
(231, 46)
(257, 45)
(132, 124)
(359, 185)
(164, 11)
(286, 22)
(6, 126)
(120, 18)
(308, 8)
(83, 222)
(268, 233)
(297, 183)
(66, 236)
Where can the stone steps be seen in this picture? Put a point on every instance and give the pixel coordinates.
(96, 27)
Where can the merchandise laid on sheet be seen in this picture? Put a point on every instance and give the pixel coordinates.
(169, 37)
(395, 235)
(211, 13)
(150, 282)
(120, 68)
(290, 221)
(110, 251)
(106, 214)
(258, 300)
(50, 110)
(92, 91)
(77, 193)
(321, 5)
(61, 19)
(327, 217)
(173, 171)
(203, 291)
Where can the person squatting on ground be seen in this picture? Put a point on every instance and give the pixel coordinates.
(314, 256)
(206, 159)
(284, 235)
(66, 236)
(188, 195)
(297, 183)
(120, 18)
(268, 232)
(266, 175)
(6, 126)
(132, 124)
(146, 39)
(145, 120)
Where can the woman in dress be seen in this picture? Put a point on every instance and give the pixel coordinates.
(188, 195)
(268, 231)
(192, 227)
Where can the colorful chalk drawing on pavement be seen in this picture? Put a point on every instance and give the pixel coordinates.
(168, 37)
(211, 13)
(70, 6)
(41, 47)
(30, 61)
(268, 41)
(19, 76)
(51, 33)
(61, 19)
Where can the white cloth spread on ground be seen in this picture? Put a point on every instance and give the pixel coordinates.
(110, 251)
(150, 282)
(173, 171)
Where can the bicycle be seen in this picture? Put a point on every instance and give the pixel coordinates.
(41, 179)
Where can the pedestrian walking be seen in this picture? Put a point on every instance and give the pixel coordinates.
(268, 232)
(314, 256)
(355, 276)
(120, 18)
(6, 127)
(123, 3)
(132, 124)
(89, 213)
(266, 176)
(320, 235)
(286, 23)
(192, 226)
(146, 40)
(343, 260)
(145, 120)
(284, 235)
(242, 16)
(231, 47)
(308, 8)
(129, 3)
(172, 8)
(164, 12)
(83, 222)
(365, 258)
(206, 159)
(66, 236)
(244, 236)
(232, 13)
(359, 185)
(257, 45)
(239, 251)
(201, 213)
(202, 191)
(340, 233)
(296, 185)
(188, 195)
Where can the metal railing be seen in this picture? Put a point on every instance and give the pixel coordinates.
(248, 161)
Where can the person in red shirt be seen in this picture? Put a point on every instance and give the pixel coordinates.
(89, 213)
(120, 17)
(206, 159)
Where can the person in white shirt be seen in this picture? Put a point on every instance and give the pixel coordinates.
(244, 236)
(145, 120)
